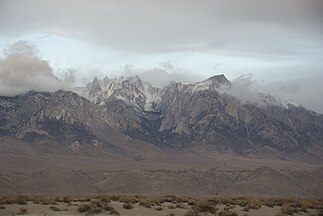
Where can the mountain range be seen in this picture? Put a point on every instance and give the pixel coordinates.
(126, 120)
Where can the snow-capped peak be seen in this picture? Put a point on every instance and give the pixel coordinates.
(217, 82)
(131, 90)
(145, 97)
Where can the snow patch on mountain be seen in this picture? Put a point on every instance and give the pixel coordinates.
(131, 90)
(147, 98)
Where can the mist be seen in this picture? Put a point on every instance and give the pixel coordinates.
(159, 76)
(22, 70)
(306, 92)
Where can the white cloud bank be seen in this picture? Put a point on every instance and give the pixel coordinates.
(305, 92)
(22, 70)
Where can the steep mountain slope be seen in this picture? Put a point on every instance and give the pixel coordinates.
(200, 117)
(61, 117)
(204, 116)
(221, 121)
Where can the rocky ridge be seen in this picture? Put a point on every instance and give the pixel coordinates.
(199, 117)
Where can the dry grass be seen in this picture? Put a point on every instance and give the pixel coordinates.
(128, 206)
(66, 199)
(192, 213)
(54, 208)
(129, 199)
(203, 206)
(114, 197)
(96, 206)
(252, 205)
(159, 208)
(198, 205)
(171, 206)
(227, 213)
(146, 203)
(280, 214)
(23, 211)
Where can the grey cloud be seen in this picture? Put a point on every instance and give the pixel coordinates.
(159, 76)
(242, 89)
(21, 47)
(306, 92)
(69, 76)
(167, 26)
(287, 33)
(22, 71)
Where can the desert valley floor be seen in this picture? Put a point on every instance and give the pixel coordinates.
(168, 205)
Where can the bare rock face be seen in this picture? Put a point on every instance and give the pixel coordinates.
(217, 81)
(188, 115)
(95, 88)
(61, 117)
(197, 116)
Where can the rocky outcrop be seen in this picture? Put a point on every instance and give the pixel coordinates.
(203, 115)
(61, 117)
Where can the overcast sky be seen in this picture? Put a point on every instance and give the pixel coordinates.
(274, 40)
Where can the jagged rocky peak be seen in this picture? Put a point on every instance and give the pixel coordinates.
(133, 81)
(175, 86)
(181, 115)
(95, 87)
(106, 81)
(218, 80)
(95, 81)
(267, 99)
(131, 90)
(214, 83)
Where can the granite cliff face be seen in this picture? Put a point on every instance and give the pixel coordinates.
(199, 116)
(61, 117)
(204, 116)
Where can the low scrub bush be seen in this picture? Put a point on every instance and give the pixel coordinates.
(97, 207)
(21, 200)
(146, 203)
(128, 206)
(192, 213)
(23, 211)
(205, 207)
(66, 199)
(227, 213)
(280, 214)
(180, 206)
(128, 199)
(252, 205)
(288, 210)
(54, 208)
(114, 197)
(171, 207)
(159, 208)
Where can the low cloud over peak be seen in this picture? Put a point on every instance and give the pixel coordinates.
(305, 92)
(22, 70)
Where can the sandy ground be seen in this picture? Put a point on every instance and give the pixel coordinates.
(72, 209)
